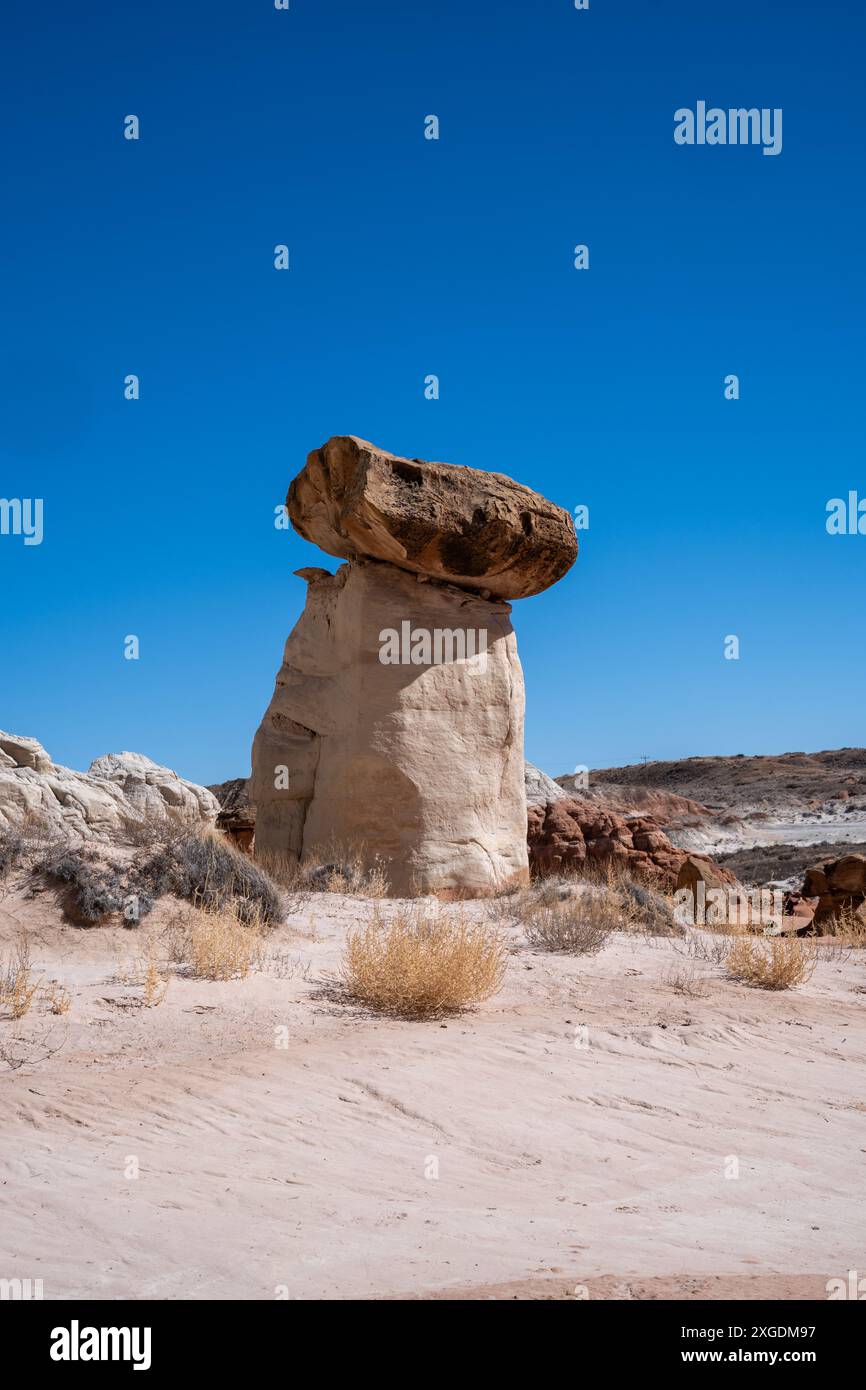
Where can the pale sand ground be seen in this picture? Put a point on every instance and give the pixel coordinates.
(596, 1169)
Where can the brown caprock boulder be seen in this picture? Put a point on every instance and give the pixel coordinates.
(459, 525)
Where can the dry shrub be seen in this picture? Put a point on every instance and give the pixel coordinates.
(846, 928)
(284, 869)
(771, 962)
(284, 965)
(57, 997)
(217, 943)
(150, 832)
(208, 871)
(339, 868)
(154, 985)
(580, 925)
(12, 851)
(32, 837)
(18, 985)
(710, 945)
(635, 906)
(422, 966)
(94, 891)
(683, 980)
(20, 1052)
(148, 974)
(650, 910)
(153, 978)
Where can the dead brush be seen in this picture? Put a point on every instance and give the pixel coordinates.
(217, 943)
(18, 984)
(346, 868)
(710, 945)
(146, 973)
(846, 929)
(12, 851)
(636, 904)
(154, 985)
(149, 832)
(422, 965)
(57, 997)
(208, 871)
(683, 980)
(153, 978)
(284, 965)
(771, 962)
(579, 926)
(286, 872)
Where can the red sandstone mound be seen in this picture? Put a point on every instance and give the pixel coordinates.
(570, 834)
(838, 884)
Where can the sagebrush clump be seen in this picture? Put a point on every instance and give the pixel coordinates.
(203, 868)
(94, 891)
(210, 873)
(12, 851)
(628, 904)
(579, 925)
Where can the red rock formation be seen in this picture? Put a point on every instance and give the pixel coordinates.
(570, 834)
(838, 884)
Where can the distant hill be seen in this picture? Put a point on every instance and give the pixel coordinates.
(740, 785)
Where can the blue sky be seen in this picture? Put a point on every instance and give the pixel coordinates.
(454, 257)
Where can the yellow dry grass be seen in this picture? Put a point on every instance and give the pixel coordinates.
(846, 928)
(18, 984)
(419, 964)
(57, 997)
(154, 984)
(333, 868)
(771, 962)
(215, 944)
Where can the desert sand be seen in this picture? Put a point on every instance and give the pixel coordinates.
(568, 1139)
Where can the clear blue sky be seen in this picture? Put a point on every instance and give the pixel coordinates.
(409, 257)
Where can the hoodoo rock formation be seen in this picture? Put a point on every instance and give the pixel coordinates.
(396, 725)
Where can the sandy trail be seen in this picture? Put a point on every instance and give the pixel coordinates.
(572, 1135)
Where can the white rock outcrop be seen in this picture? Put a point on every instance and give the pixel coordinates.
(540, 789)
(98, 804)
